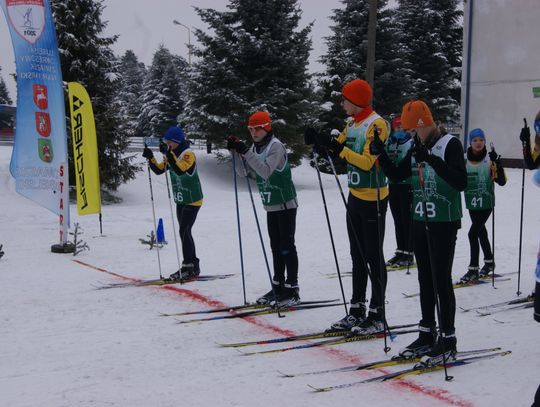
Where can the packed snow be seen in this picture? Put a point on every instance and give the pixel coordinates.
(64, 343)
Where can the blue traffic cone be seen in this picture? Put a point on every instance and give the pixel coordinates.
(160, 232)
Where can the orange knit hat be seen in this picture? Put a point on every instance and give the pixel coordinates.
(260, 119)
(416, 114)
(357, 92)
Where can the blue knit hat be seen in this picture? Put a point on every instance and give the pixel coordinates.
(476, 133)
(175, 134)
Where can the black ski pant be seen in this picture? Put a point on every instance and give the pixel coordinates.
(186, 215)
(281, 229)
(400, 200)
(478, 233)
(366, 250)
(439, 263)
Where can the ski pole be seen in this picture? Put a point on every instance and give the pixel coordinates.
(154, 216)
(380, 238)
(410, 245)
(518, 293)
(238, 226)
(174, 226)
(261, 239)
(431, 261)
(493, 226)
(316, 165)
(381, 258)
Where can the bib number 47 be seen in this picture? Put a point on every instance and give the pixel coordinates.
(430, 209)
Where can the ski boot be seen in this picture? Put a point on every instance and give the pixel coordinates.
(371, 325)
(356, 317)
(443, 350)
(271, 296)
(488, 268)
(421, 346)
(289, 295)
(393, 262)
(470, 276)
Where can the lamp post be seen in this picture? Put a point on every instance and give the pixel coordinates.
(176, 22)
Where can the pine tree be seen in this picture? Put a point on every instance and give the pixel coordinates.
(450, 18)
(347, 55)
(4, 93)
(132, 77)
(164, 93)
(430, 59)
(86, 57)
(255, 58)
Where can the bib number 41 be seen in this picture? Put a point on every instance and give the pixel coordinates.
(430, 209)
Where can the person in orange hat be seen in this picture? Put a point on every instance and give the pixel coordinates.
(267, 157)
(437, 167)
(400, 198)
(366, 206)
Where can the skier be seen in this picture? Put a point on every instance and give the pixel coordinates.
(180, 160)
(532, 159)
(267, 157)
(483, 170)
(438, 175)
(368, 197)
(400, 198)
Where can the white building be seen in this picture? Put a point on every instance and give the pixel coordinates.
(502, 59)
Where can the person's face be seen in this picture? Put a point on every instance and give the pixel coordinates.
(423, 132)
(350, 108)
(257, 133)
(171, 144)
(477, 144)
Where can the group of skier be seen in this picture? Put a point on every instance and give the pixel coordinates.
(416, 166)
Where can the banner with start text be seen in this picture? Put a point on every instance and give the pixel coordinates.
(39, 158)
(85, 151)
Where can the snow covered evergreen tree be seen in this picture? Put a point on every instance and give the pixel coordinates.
(132, 75)
(86, 57)
(347, 55)
(255, 57)
(4, 93)
(164, 93)
(429, 29)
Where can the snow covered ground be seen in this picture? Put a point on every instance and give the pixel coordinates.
(63, 343)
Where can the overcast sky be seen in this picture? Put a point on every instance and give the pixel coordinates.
(143, 25)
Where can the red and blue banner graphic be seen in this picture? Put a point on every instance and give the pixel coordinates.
(40, 151)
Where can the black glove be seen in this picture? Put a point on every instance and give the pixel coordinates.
(421, 153)
(525, 135)
(163, 147)
(376, 146)
(310, 136)
(493, 156)
(234, 143)
(330, 143)
(147, 153)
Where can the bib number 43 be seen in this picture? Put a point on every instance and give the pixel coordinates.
(430, 209)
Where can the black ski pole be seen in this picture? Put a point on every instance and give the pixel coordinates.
(518, 293)
(380, 247)
(381, 258)
(238, 226)
(410, 245)
(316, 165)
(493, 228)
(432, 263)
(261, 239)
(154, 216)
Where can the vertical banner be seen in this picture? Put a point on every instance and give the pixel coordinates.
(40, 150)
(85, 152)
